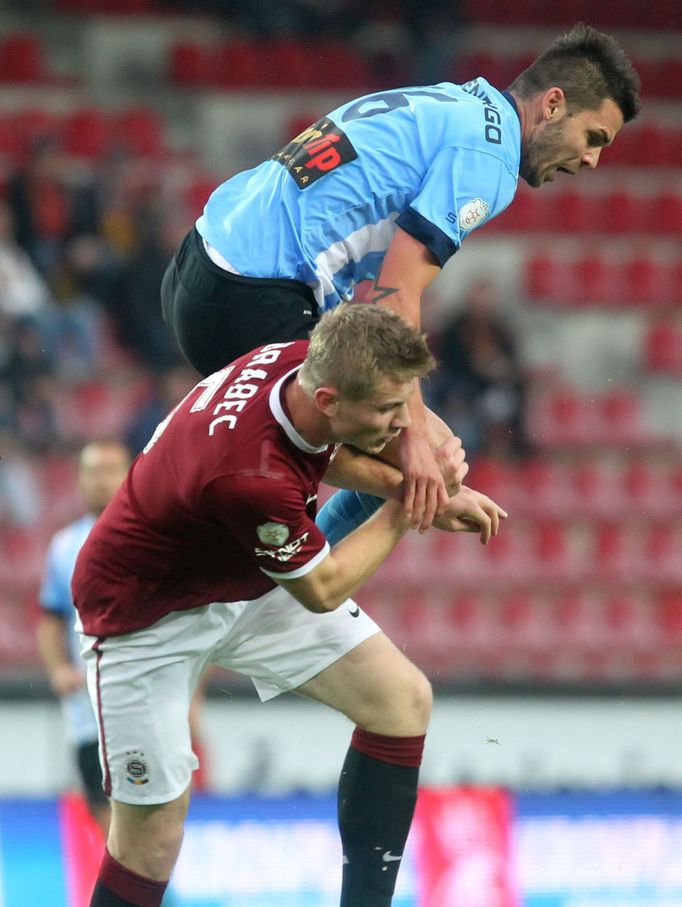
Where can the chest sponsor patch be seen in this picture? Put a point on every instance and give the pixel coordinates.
(473, 213)
(272, 533)
(319, 149)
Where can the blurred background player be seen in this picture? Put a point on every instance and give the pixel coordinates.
(102, 466)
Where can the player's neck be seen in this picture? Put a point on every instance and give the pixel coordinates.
(306, 418)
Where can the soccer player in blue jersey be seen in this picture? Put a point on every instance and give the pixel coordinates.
(102, 467)
(386, 188)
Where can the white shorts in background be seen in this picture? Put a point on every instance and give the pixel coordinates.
(141, 684)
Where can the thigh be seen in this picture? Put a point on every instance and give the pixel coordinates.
(141, 685)
(377, 687)
(217, 316)
(280, 645)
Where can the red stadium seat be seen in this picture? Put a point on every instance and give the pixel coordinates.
(667, 213)
(620, 417)
(644, 282)
(140, 130)
(22, 58)
(191, 64)
(596, 281)
(240, 64)
(87, 133)
(663, 348)
(573, 211)
(621, 212)
(550, 279)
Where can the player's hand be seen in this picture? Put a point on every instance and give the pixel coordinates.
(424, 489)
(471, 511)
(450, 457)
(65, 679)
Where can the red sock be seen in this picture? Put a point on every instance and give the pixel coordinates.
(118, 886)
(406, 751)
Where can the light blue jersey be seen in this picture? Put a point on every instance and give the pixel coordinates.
(55, 597)
(439, 161)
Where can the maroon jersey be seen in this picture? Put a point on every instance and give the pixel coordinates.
(221, 500)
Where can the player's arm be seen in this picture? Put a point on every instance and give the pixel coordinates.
(381, 475)
(52, 637)
(408, 268)
(351, 562)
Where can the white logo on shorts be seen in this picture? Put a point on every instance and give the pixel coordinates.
(272, 533)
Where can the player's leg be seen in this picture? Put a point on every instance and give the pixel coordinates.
(389, 700)
(141, 685)
(344, 512)
(217, 316)
(142, 849)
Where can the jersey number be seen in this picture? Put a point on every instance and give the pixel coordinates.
(386, 101)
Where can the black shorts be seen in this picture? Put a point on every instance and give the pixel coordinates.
(90, 771)
(217, 316)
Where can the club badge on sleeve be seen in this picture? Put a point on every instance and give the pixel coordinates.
(272, 533)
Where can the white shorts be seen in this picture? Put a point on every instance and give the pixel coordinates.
(141, 684)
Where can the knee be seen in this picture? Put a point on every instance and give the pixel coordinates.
(147, 839)
(421, 695)
(405, 708)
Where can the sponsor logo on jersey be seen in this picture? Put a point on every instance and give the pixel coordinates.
(272, 533)
(136, 767)
(473, 213)
(285, 552)
(317, 150)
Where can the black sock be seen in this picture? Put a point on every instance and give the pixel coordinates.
(104, 897)
(376, 804)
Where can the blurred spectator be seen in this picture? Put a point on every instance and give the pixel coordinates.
(75, 327)
(479, 387)
(102, 467)
(22, 289)
(142, 328)
(21, 500)
(170, 386)
(47, 207)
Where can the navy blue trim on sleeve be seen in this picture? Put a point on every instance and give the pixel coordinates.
(438, 242)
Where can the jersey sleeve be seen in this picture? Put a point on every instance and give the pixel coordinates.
(267, 514)
(55, 594)
(463, 189)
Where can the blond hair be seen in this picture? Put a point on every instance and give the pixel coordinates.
(353, 346)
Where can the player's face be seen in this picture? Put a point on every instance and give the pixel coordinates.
(570, 143)
(370, 424)
(101, 471)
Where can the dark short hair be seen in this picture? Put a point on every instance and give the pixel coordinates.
(589, 66)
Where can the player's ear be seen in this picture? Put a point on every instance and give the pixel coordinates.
(553, 103)
(327, 400)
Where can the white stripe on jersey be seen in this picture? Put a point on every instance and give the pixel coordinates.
(370, 238)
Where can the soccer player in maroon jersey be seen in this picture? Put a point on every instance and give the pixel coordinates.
(209, 553)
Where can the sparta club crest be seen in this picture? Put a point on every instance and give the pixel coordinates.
(137, 770)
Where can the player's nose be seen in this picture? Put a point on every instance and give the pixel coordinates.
(402, 418)
(590, 159)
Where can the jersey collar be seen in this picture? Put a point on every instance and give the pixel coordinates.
(509, 97)
(277, 410)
